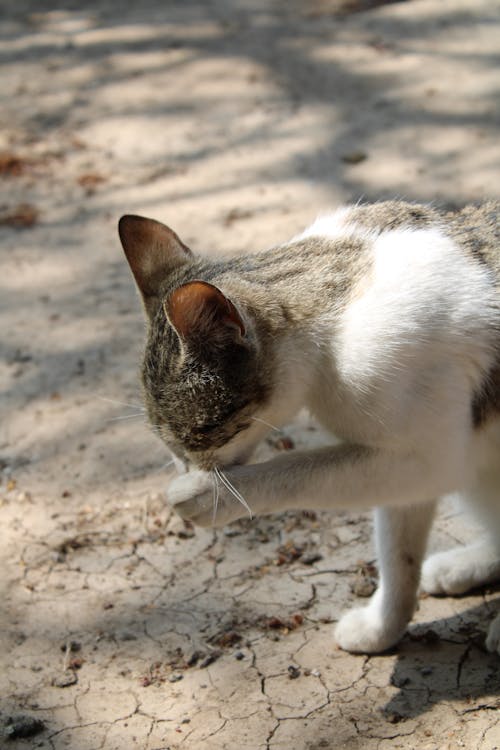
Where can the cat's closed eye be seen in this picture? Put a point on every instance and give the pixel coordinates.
(206, 429)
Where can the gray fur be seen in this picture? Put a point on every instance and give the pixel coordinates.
(200, 395)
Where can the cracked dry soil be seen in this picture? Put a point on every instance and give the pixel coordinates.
(236, 121)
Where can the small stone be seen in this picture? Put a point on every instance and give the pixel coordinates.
(239, 655)
(293, 672)
(73, 646)
(66, 679)
(19, 727)
(194, 658)
(354, 157)
(364, 586)
(426, 671)
(175, 677)
(209, 660)
(312, 558)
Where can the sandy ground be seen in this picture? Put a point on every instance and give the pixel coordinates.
(236, 122)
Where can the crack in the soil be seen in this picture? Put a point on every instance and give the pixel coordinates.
(461, 662)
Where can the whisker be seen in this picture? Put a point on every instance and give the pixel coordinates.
(165, 466)
(127, 416)
(121, 403)
(258, 419)
(216, 497)
(225, 481)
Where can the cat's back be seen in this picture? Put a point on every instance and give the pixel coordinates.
(477, 230)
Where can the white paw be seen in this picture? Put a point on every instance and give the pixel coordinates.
(196, 497)
(457, 570)
(363, 631)
(192, 496)
(493, 637)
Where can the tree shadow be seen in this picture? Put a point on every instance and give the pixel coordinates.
(445, 661)
(289, 48)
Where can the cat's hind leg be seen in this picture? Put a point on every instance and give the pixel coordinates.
(457, 570)
(400, 537)
(460, 569)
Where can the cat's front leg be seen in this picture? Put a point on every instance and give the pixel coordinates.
(400, 536)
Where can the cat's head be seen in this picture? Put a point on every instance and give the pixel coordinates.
(206, 371)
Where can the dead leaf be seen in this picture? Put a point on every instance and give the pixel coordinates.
(90, 180)
(12, 165)
(354, 157)
(22, 216)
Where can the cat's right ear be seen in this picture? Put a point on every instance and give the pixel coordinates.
(153, 251)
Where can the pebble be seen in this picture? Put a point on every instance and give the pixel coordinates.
(209, 660)
(354, 157)
(65, 679)
(23, 726)
(175, 677)
(311, 558)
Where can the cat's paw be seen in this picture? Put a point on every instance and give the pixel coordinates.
(458, 570)
(439, 576)
(191, 495)
(197, 498)
(493, 637)
(363, 631)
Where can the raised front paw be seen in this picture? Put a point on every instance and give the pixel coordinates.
(204, 499)
(191, 495)
(364, 631)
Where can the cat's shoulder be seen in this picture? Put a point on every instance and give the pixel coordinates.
(476, 229)
(473, 232)
(373, 219)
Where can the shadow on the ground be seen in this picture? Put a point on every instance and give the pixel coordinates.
(284, 41)
(285, 44)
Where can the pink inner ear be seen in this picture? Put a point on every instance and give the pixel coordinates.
(199, 307)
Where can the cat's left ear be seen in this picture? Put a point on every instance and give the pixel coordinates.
(200, 311)
(153, 251)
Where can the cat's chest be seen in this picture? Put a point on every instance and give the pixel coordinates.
(349, 415)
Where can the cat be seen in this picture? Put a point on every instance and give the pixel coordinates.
(384, 321)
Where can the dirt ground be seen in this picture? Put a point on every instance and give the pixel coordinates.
(235, 121)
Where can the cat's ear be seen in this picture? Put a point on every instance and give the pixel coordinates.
(153, 251)
(200, 312)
